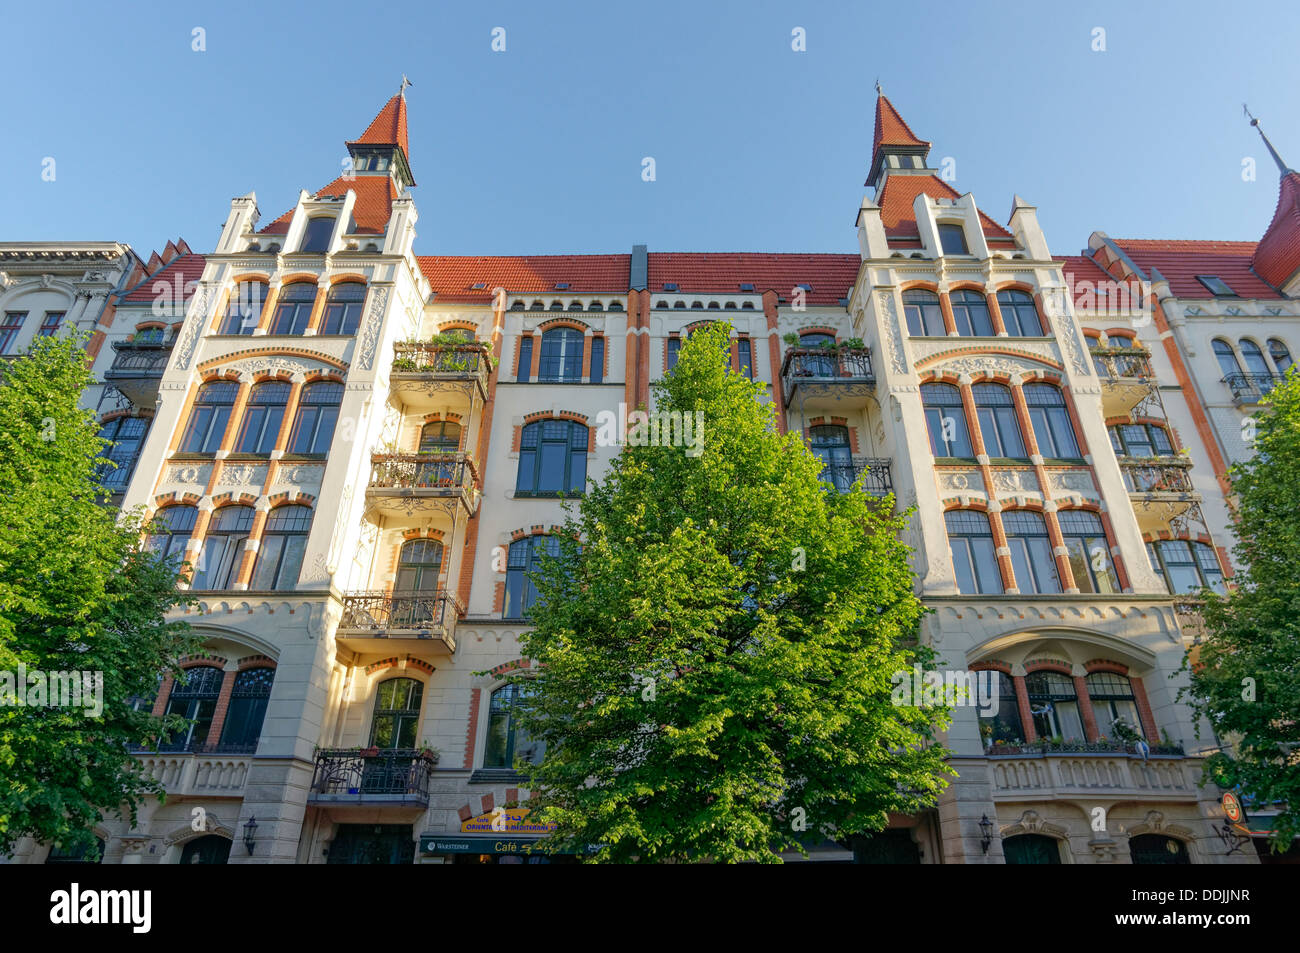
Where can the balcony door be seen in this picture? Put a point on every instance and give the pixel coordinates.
(415, 591)
(438, 437)
(372, 844)
(817, 365)
(397, 713)
(830, 442)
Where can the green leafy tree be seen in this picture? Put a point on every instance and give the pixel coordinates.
(711, 666)
(78, 593)
(1245, 674)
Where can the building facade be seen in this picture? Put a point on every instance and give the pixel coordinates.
(360, 451)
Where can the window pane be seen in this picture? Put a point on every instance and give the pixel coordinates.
(597, 360)
(551, 473)
(525, 359)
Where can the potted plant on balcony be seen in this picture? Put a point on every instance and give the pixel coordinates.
(370, 752)
(428, 752)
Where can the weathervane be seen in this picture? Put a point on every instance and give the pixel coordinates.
(405, 83)
(879, 91)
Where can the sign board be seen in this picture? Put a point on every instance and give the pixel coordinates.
(512, 820)
(1232, 807)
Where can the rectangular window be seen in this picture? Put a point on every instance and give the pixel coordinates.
(50, 325)
(744, 350)
(976, 563)
(952, 239)
(525, 359)
(9, 330)
(674, 347)
(1216, 286)
(1035, 568)
(597, 360)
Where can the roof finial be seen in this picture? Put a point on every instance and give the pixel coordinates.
(405, 83)
(879, 91)
(1282, 166)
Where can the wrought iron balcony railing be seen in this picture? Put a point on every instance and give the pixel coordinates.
(423, 471)
(441, 360)
(138, 360)
(875, 475)
(115, 478)
(806, 364)
(1122, 363)
(379, 612)
(1250, 388)
(1150, 476)
(377, 774)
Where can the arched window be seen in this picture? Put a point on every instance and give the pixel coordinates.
(1054, 706)
(1227, 358)
(923, 314)
(1254, 358)
(316, 237)
(1020, 314)
(209, 417)
(263, 417)
(974, 558)
(952, 240)
(970, 309)
(552, 458)
(415, 590)
(1051, 422)
(343, 308)
(318, 412)
(247, 710)
(524, 557)
(293, 308)
(1002, 724)
(1141, 440)
(507, 741)
(1031, 849)
(816, 365)
(561, 358)
(1157, 849)
(998, 425)
(223, 548)
(1113, 701)
(1185, 566)
(440, 436)
(208, 849)
(194, 699)
(1031, 551)
(1280, 354)
(1089, 551)
(397, 713)
(830, 442)
(279, 557)
(125, 436)
(945, 419)
(244, 309)
(173, 525)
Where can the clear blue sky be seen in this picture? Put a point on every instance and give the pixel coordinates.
(538, 149)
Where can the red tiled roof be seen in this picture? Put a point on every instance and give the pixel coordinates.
(891, 130)
(388, 128)
(831, 276)
(1277, 257)
(1181, 261)
(1097, 292)
(453, 277)
(184, 271)
(897, 197)
(374, 204)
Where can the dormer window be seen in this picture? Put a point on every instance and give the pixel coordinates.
(318, 234)
(1216, 286)
(952, 239)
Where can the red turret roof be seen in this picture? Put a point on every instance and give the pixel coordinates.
(1277, 257)
(388, 128)
(891, 130)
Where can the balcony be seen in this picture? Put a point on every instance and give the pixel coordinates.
(1160, 488)
(137, 370)
(372, 777)
(428, 377)
(198, 770)
(875, 475)
(420, 622)
(115, 478)
(1249, 389)
(827, 379)
(405, 484)
(1036, 771)
(1126, 375)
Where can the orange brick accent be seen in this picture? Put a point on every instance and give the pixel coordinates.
(256, 661)
(1085, 708)
(772, 315)
(995, 312)
(1144, 709)
(1022, 702)
(164, 693)
(1105, 665)
(631, 347)
(643, 356)
(945, 307)
(223, 705)
(1057, 539)
(499, 598)
(471, 736)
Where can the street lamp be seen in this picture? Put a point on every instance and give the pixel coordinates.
(986, 833)
(250, 833)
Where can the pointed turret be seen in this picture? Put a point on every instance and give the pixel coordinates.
(894, 138)
(384, 146)
(1277, 256)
